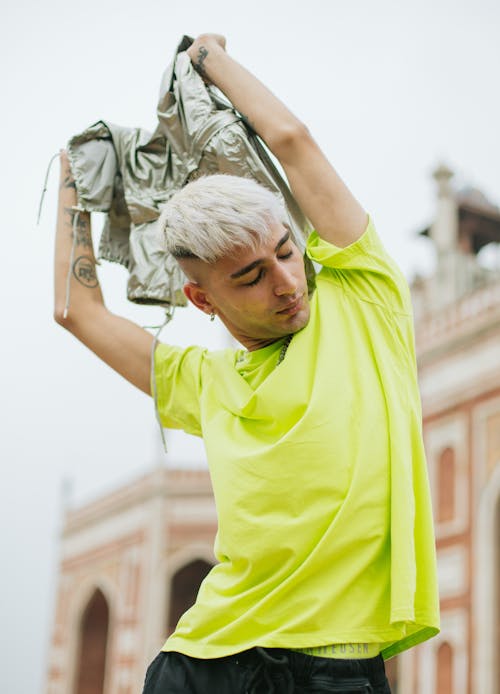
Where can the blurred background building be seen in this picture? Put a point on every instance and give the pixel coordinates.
(457, 320)
(131, 562)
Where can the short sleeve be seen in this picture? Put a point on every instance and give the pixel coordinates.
(363, 268)
(177, 373)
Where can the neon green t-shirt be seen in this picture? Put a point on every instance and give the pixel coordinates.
(317, 464)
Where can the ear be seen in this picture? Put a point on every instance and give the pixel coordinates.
(198, 297)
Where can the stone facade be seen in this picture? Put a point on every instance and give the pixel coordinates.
(118, 587)
(458, 350)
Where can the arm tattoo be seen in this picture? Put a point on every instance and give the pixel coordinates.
(69, 182)
(198, 66)
(83, 235)
(84, 271)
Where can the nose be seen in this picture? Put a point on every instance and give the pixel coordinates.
(285, 283)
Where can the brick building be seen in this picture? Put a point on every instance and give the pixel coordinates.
(457, 313)
(131, 561)
(130, 564)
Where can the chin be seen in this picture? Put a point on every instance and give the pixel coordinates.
(297, 322)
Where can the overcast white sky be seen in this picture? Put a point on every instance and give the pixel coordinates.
(389, 89)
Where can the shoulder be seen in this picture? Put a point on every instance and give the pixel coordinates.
(363, 268)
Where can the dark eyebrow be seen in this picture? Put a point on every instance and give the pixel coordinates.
(256, 263)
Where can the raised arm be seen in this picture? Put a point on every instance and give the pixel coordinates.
(123, 345)
(324, 198)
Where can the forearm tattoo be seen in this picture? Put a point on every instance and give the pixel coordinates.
(83, 268)
(198, 66)
(84, 271)
(81, 228)
(68, 182)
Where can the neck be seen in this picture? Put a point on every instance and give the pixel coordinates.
(252, 344)
(248, 341)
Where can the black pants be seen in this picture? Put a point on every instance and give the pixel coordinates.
(264, 671)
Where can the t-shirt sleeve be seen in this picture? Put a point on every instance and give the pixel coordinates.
(177, 375)
(363, 268)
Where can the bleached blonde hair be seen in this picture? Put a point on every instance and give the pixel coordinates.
(213, 215)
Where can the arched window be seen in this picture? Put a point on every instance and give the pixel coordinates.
(391, 671)
(446, 486)
(497, 586)
(184, 589)
(93, 640)
(444, 684)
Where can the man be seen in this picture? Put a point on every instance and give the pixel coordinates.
(312, 431)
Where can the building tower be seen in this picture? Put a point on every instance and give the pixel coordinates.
(457, 321)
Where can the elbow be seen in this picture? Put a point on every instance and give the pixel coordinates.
(77, 319)
(68, 318)
(61, 317)
(288, 137)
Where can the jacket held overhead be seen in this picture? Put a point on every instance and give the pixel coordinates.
(130, 174)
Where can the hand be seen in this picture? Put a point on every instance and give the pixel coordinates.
(207, 41)
(201, 47)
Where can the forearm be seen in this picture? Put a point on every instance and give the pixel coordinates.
(126, 347)
(264, 112)
(75, 280)
(320, 192)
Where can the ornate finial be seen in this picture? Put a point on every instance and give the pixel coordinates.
(443, 175)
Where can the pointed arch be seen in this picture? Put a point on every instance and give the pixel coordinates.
(92, 646)
(446, 486)
(496, 606)
(444, 671)
(392, 673)
(184, 586)
(487, 587)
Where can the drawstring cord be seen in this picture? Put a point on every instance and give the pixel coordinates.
(169, 314)
(77, 209)
(263, 673)
(159, 328)
(44, 189)
(263, 679)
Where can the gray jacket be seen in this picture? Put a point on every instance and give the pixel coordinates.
(130, 174)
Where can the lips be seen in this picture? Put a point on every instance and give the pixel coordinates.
(292, 307)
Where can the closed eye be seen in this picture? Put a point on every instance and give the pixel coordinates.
(261, 273)
(256, 280)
